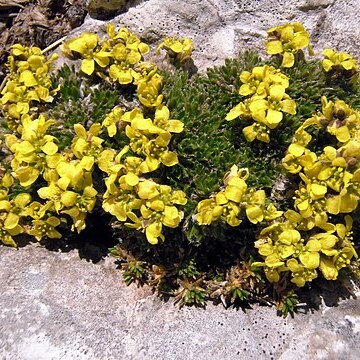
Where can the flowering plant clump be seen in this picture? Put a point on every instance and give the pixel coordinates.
(120, 58)
(266, 104)
(129, 195)
(309, 240)
(288, 40)
(149, 149)
(64, 180)
(88, 47)
(33, 151)
(332, 176)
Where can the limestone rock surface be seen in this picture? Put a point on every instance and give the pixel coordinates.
(57, 306)
(222, 28)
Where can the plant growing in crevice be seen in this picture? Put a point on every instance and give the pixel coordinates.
(217, 215)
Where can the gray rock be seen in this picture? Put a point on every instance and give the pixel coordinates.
(314, 4)
(56, 306)
(222, 28)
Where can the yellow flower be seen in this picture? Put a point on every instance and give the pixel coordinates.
(344, 256)
(78, 205)
(147, 190)
(338, 61)
(342, 203)
(210, 210)
(287, 40)
(6, 234)
(42, 228)
(153, 232)
(124, 36)
(181, 48)
(11, 213)
(298, 158)
(156, 152)
(148, 91)
(277, 242)
(106, 160)
(157, 209)
(33, 151)
(207, 212)
(28, 81)
(87, 143)
(37, 211)
(270, 111)
(75, 174)
(17, 99)
(7, 180)
(87, 46)
(267, 103)
(300, 274)
(255, 208)
(121, 202)
(111, 120)
(328, 268)
(229, 203)
(164, 124)
(271, 213)
(240, 110)
(257, 131)
(125, 51)
(259, 79)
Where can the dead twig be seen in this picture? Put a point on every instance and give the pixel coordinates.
(54, 44)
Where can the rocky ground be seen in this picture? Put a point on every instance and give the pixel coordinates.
(55, 305)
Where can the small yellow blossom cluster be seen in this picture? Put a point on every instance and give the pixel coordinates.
(332, 176)
(287, 249)
(34, 153)
(28, 83)
(129, 196)
(266, 101)
(338, 61)
(235, 202)
(119, 58)
(178, 49)
(148, 138)
(288, 40)
(70, 185)
(329, 186)
(10, 211)
(33, 150)
(15, 215)
(340, 64)
(20, 215)
(69, 189)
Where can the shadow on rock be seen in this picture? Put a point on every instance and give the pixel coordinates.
(92, 243)
(327, 293)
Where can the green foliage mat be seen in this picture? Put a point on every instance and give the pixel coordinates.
(195, 261)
